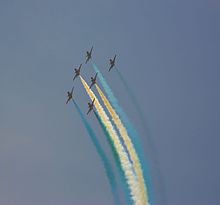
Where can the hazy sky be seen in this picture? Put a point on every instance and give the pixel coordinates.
(168, 51)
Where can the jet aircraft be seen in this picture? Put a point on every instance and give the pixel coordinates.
(90, 106)
(93, 80)
(112, 63)
(69, 95)
(89, 54)
(77, 72)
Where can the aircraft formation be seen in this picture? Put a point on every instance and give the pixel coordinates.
(120, 140)
(93, 79)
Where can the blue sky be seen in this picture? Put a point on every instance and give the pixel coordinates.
(168, 51)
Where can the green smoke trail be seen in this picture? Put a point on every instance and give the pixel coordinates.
(116, 158)
(127, 166)
(106, 163)
(129, 127)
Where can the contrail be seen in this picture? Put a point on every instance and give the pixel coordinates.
(116, 157)
(106, 162)
(129, 145)
(124, 160)
(130, 129)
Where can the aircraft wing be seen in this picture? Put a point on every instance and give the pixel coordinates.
(87, 59)
(93, 101)
(67, 100)
(114, 58)
(95, 75)
(74, 77)
(89, 111)
(91, 50)
(91, 85)
(80, 66)
(110, 68)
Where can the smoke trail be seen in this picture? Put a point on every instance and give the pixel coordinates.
(116, 157)
(130, 128)
(106, 162)
(150, 141)
(128, 143)
(133, 99)
(125, 163)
